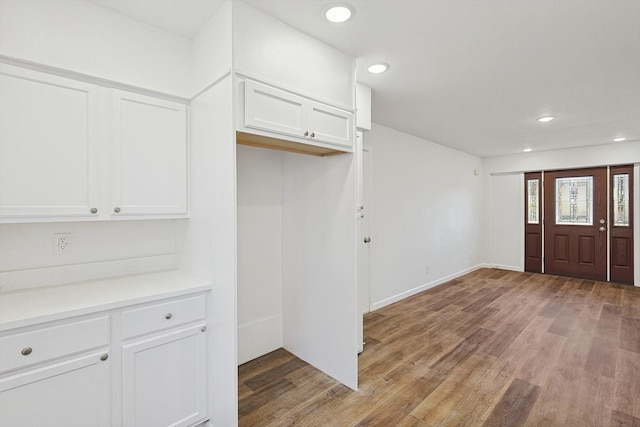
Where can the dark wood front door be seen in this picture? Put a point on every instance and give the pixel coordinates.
(575, 223)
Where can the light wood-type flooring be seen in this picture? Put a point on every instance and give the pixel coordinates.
(492, 348)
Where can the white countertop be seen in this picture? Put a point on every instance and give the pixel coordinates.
(31, 306)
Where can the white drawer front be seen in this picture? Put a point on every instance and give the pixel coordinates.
(22, 349)
(162, 316)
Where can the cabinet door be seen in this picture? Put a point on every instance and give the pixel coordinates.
(165, 380)
(150, 157)
(330, 125)
(48, 141)
(274, 110)
(73, 393)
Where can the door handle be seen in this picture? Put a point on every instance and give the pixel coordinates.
(367, 240)
(602, 228)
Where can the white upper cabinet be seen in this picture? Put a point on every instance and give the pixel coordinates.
(71, 150)
(273, 110)
(329, 124)
(48, 143)
(149, 156)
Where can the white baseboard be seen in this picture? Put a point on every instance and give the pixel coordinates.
(259, 338)
(505, 267)
(411, 292)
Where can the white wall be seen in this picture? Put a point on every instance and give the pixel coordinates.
(212, 49)
(98, 250)
(267, 49)
(609, 154)
(427, 213)
(259, 174)
(82, 37)
(504, 194)
(505, 186)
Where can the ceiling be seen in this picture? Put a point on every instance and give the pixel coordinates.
(472, 74)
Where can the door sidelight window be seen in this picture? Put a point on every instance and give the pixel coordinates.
(533, 201)
(621, 200)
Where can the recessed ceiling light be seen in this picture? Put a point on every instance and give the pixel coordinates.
(619, 139)
(545, 119)
(338, 12)
(378, 68)
(526, 150)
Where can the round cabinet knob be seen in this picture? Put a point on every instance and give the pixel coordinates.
(104, 357)
(203, 329)
(313, 134)
(367, 239)
(26, 351)
(116, 209)
(94, 210)
(168, 316)
(306, 133)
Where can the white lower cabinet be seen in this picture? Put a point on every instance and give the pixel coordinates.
(72, 393)
(164, 365)
(142, 365)
(56, 374)
(165, 379)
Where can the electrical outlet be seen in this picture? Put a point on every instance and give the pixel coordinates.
(62, 243)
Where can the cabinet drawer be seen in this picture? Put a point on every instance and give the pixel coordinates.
(162, 316)
(22, 349)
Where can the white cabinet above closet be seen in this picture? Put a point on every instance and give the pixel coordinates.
(283, 114)
(72, 150)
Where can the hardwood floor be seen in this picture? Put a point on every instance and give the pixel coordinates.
(492, 348)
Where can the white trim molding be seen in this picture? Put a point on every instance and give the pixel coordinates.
(417, 290)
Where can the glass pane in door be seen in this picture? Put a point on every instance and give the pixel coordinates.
(574, 199)
(533, 201)
(621, 200)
